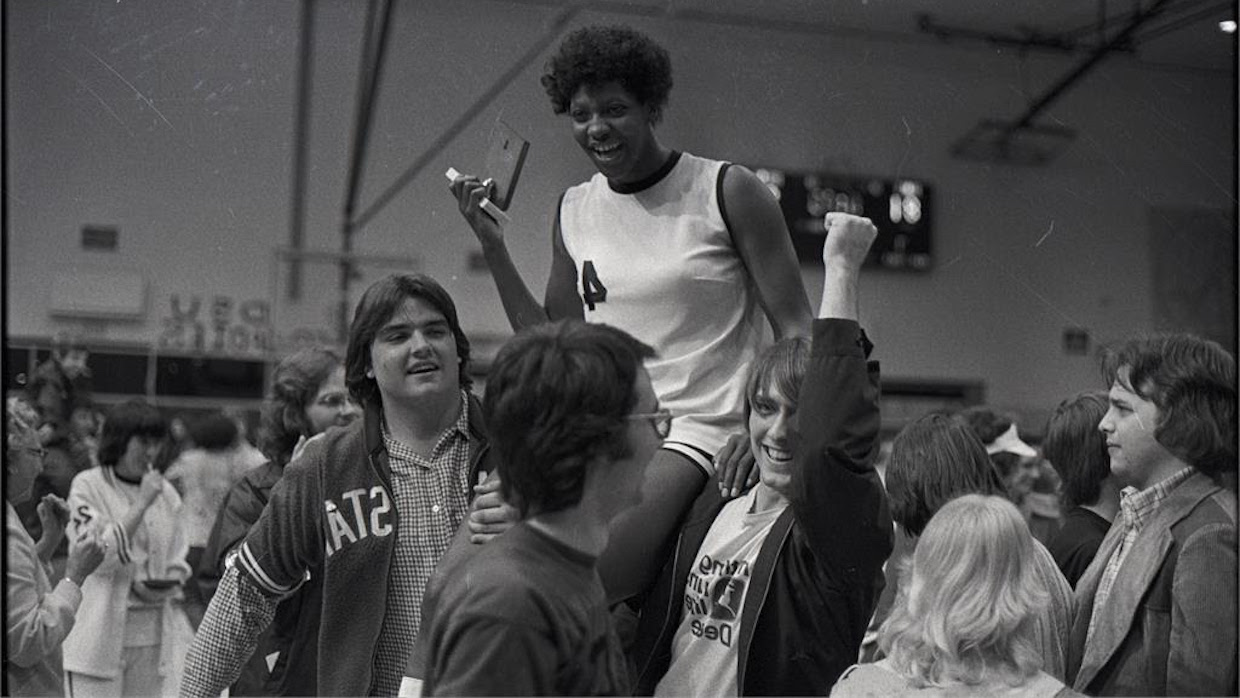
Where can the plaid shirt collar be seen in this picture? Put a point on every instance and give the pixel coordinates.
(1139, 505)
(399, 450)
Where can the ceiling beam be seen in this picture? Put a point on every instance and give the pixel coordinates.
(1122, 37)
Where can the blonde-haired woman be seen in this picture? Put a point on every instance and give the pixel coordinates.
(963, 623)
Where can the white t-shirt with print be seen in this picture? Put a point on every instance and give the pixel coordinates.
(704, 647)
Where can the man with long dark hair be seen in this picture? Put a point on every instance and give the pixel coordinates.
(1156, 610)
(375, 503)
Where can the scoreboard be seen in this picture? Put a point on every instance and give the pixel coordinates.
(899, 208)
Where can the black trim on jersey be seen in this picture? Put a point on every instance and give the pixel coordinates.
(122, 478)
(646, 183)
(559, 207)
(704, 463)
(723, 208)
(693, 448)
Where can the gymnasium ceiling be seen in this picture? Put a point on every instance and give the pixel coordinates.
(1183, 33)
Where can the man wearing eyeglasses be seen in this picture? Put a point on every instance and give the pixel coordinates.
(574, 419)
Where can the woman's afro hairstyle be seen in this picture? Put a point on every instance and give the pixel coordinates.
(596, 55)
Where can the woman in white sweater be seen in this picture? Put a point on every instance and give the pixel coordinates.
(132, 633)
(39, 615)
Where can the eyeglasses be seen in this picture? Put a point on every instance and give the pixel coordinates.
(334, 401)
(661, 421)
(40, 452)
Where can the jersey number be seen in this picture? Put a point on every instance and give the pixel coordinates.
(592, 290)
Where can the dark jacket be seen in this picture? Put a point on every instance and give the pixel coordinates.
(818, 572)
(344, 475)
(1169, 625)
(293, 636)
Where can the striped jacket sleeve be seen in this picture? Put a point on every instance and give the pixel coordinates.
(287, 539)
(88, 508)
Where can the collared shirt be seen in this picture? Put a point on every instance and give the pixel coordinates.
(1136, 507)
(432, 496)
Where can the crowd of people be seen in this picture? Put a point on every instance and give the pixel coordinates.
(670, 485)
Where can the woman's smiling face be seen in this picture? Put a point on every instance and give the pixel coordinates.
(616, 131)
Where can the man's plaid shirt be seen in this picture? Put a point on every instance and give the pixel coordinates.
(431, 495)
(1136, 507)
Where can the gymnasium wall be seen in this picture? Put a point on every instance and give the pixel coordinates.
(173, 121)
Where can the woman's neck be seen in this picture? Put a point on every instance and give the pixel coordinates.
(651, 161)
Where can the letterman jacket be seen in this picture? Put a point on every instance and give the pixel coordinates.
(341, 479)
(819, 571)
(293, 636)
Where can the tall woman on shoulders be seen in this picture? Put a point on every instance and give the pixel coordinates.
(689, 255)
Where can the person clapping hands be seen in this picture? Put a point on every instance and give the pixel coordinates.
(39, 615)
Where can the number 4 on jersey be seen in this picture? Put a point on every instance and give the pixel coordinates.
(592, 290)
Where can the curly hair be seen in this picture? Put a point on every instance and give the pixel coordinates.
(556, 398)
(18, 408)
(1192, 381)
(596, 55)
(21, 421)
(967, 612)
(1076, 449)
(378, 304)
(294, 384)
(934, 460)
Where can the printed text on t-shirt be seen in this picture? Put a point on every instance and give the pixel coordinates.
(713, 597)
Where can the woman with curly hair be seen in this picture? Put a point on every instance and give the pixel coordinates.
(963, 622)
(687, 254)
(308, 396)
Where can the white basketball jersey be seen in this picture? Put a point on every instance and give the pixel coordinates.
(659, 263)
